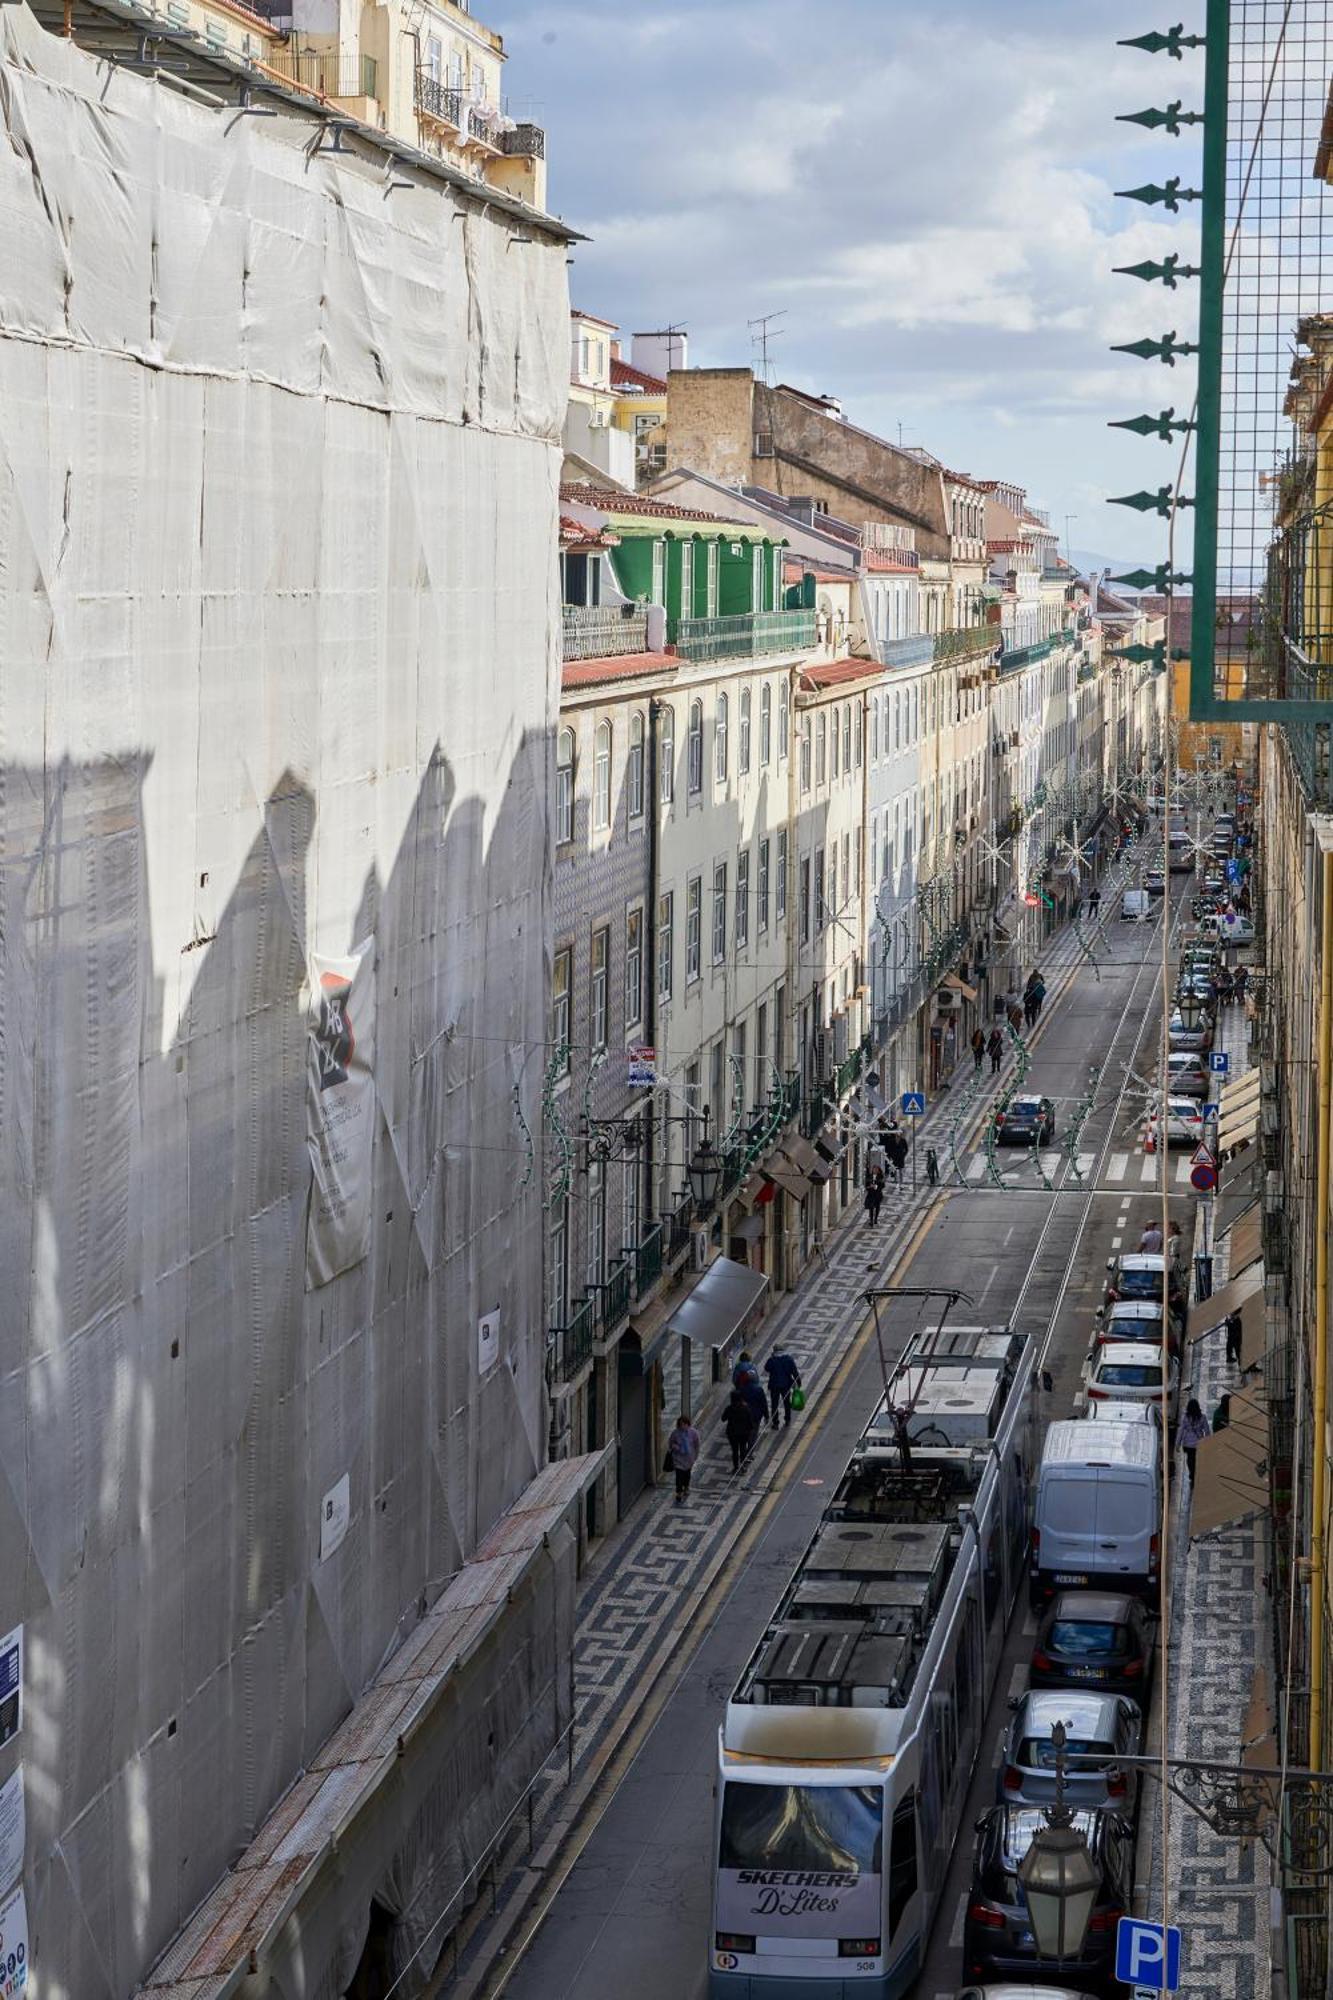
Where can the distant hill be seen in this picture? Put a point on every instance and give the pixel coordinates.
(1085, 560)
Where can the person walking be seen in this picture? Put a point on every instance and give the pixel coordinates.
(1094, 900)
(995, 1050)
(739, 1424)
(1193, 1430)
(756, 1401)
(1235, 1327)
(783, 1377)
(895, 1145)
(978, 1047)
(1150, 1243)
(682, 1454)
(1036, 995)
(1239, 981)
(874, 1196)
(745, 1370)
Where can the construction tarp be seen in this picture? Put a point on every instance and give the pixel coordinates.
(1232, 1468)
(279, 453)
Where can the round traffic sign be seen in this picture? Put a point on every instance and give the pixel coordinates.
(1203, 1178)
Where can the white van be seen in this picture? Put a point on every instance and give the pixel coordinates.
(1097, 1518)
(1136, 906)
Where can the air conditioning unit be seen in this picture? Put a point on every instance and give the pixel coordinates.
(763, 444)
(947, 1000)
(839, 1025)
(698, 1249)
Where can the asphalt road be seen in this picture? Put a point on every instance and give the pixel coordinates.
(632, 1916)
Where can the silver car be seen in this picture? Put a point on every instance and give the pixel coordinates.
(1101, 1726)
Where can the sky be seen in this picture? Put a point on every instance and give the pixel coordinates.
(925, 191)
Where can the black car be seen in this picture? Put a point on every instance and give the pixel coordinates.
(1095, 1639)
(998, 1941)
(1028, 1121)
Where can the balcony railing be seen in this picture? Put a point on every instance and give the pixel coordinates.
(676, 1226)
(915, 651)
(744, 635)
(570, 1346)
(601, 631)
(963, 641)
(613, 1299)
(1015, 657)
(435, 100)
(647, 1260)
(527, 140)
(327, 73)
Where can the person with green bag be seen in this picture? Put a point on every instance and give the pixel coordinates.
(784, 1386)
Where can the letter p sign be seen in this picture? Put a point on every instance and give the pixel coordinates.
(1146, 1956)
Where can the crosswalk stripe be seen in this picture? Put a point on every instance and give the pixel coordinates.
(1050, 1161)
(1085, 1161)
(976, 1167)
(1183, 1166)
(1148, 1171)
(1118, 1168)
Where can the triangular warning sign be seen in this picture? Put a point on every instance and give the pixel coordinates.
(1202, 1158)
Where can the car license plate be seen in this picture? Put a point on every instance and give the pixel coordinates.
(1070, 1576)
(1085, 1673)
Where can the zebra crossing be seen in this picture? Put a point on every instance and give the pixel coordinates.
(1123, 1168)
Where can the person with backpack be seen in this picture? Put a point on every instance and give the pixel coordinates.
(740, 1427)
(682, 1454)
(783, 1377)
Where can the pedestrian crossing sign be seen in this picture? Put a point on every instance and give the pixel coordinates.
(914, 1103)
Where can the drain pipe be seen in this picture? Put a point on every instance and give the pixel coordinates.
(1319, 1496)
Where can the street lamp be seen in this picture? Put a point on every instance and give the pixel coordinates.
(1060, 1878)
(704, 1171)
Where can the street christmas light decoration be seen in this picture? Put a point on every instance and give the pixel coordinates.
(1082, 1112)
(561, 1177)
(516, 1096)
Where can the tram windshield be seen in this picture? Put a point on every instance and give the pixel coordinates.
(824, 1828)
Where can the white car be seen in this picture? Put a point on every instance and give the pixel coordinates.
(1184, 1124)
(1125, 1413)
(1227, 930)
(1123, 1371)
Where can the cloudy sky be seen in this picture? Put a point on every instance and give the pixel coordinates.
(925, 189)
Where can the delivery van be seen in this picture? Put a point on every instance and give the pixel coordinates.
(1097, 1515)
(1136, 906)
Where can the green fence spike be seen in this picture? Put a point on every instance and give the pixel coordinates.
(1166, 349)
(1160, 426)
(1169, 271)
(1173, 43)
(1160, 579)
(1150, 503)
(1169, 196)
(1169, 120)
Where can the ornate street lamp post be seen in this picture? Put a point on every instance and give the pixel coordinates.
(1060, 1878)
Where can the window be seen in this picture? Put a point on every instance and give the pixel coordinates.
(719, 911)
(667, 753)
(784, 719)
(777, 588)
(601, 959)
(631, 1213)
(874, 730)
(782, 873)
(601, 778)
(717, 1101)
(687, 579)
(659, 572)
(694, 749)
(846, 874)
(763, 889)
(819, 889)
(757, 577)
(557, 1298)
(634, 772)
(665, 943)
(855, 889)
(710, 607)
(805, 752)
(902, 1861)
(761, 1046)
(564, 785)
(745, 731)
(694, 896)
(847, 737)
(835, 743)
(859, 727)
(780, 1026)
(802, 1828)
(596, 1222)
(897, 722)
(633, 967)
(765, 725)
(742, 899)
(821, 749)
(561, 979)
(720, 740)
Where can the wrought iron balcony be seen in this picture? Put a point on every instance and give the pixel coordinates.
(435, 100)
(647, 1259)
(569, 1347)
(745, 635)
(613, 1299)
(601, 631)
(1016, 657)
(527, 140)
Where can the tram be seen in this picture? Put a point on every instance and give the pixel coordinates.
(850, 1740)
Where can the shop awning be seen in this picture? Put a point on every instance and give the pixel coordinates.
(1232, 1468)
(1237, 1094)
(1246, 1237)
(957, 985)
(1238, 1115)
(784, 1173)
(751, 1229)
(1209, 1313)
(720, 1303)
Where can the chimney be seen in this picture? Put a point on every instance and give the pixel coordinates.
(658, 353)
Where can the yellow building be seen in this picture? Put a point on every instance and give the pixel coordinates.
(617, 408)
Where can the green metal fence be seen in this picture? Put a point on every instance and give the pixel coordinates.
(746, 634)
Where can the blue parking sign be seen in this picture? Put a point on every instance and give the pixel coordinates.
(1146, 1955)
(914, 1103)
(1219, 1062)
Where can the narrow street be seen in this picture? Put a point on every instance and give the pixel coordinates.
(628, 1909)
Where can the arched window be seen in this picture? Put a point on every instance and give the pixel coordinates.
(634, 772)
(784, 719)
(765, 725)
(805, 753)
(720, 740)
(694, 749)
(897, 722)
(564, 785)
(821, 748)
(667, 752)
(601, 778)
(745, 727)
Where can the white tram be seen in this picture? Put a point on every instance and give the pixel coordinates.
(849, 1743)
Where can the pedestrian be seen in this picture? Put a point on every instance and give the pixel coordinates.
(739, 1424)
(978, 1046)
(756, 1401)
(1193, 1431)
(1222, 1415)
(1017, 1017)
(896, 1147)
(932, 1166)
(1223, 987)
(1150, 1243)
(682, 1453)
(874, 1196)
(745, 1370)
(1094, 901)
(995, 1049)
(1173, 1241)
(1239, 981)
(1235, 1327)
(783, 1377)
(1038, 995)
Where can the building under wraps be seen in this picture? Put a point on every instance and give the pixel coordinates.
(279, 447)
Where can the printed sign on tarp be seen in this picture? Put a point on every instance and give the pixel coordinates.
(13, 1829)
(340, 1112)
(11, 1685)
(13, 1945)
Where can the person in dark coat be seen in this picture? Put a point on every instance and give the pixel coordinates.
(1235, 1327)
(874, 1195)
(978, 1047)
(895, 1145)
(783, 1376)
(995, 1049)
(739, 1424)
(756, 1401)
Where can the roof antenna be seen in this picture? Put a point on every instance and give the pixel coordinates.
(763, 338)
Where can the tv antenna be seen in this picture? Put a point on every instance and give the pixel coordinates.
(762, 336)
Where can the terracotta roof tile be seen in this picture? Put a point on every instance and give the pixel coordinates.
(624, 375)
(572, 531)
(611, 500)
(834, 673)
(616, 667)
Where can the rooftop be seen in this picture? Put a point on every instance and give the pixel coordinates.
(618, 500)
(624, 375)
(836, 673)
(616, 667)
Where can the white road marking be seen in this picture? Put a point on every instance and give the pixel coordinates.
(956, 1934)
(1183, 1167)
(1018, 1678)
(1148, 1171)
(976, 1167)
(1050, 1161)
(1117, 1242)
(1118, 1167)
(1085, 1162)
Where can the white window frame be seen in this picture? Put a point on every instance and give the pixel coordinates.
(694, 917)
(599, 988)
(742, 898)
(765, 726)
(719, 933)
(634, 966)
(746, 731)
(634, 767)
(780, 890)
(761, 893)
(666, 942)
(561, 1003)
(721, 732)
(601, 779)
(564, 787)
(694, 750)
(784, 720)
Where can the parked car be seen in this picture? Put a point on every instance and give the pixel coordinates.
(1140, 1274)
(1103, 1727)
(1196, 982)
(1196, 1037)
(1097, 1509)
(1232, 930)
(1155, 882)
(1186, 1075)
(1184, 1124)
(998, 1941)
(1126, 1371)
(1124, 1413)
(1180, 857)
(1138, 1320)
(1095, 1638)
(1028, 1121)
(1136, 906)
